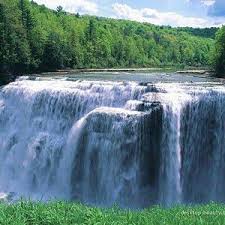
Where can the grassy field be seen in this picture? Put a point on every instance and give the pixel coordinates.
(69, 213)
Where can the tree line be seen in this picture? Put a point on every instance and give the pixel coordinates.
(34, 38)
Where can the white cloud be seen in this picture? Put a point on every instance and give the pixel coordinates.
(123, 11)
(208, 2)
(73, 6)
(204, 2)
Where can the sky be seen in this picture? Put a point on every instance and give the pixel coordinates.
(194, 13)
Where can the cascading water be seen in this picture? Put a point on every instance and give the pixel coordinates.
(104, 142)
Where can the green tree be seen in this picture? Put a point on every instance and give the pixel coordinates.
(219, 53)
(53, 53)
(14, 46)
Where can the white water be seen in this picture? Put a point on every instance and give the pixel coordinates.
(112, 142)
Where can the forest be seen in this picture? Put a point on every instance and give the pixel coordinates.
(35, 38)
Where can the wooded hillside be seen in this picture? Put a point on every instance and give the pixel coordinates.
(35, 38)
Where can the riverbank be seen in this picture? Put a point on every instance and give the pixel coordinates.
(63, 213)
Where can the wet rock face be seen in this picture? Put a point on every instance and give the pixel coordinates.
(142, 105)
(5, 79)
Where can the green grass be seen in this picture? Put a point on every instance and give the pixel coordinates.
(70, 213)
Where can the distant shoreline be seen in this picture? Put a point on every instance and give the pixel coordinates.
(150, 69)
(86, 70)
(201, 72)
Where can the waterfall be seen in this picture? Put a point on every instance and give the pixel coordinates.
(203, 141)
(66, 163)
(105, 142)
